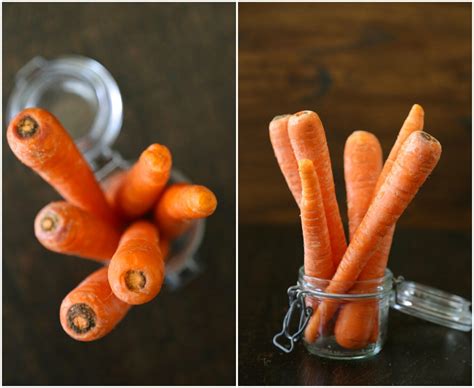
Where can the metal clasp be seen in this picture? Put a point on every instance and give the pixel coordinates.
(296, 301)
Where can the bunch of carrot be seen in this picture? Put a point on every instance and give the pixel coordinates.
(128, 224)
(377, 195)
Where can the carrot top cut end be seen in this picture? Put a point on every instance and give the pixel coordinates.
(27, 127)
(135, 280)
(49, 222)
(81, 318)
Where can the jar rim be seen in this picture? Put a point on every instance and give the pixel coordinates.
(367, 288)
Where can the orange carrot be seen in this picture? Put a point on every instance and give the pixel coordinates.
(165, 248)
(308, 141)
(111, 187)
(91, 310)
(136, 271)
(376, 265)
(416, 159)
(144, 182)
(362, 167)
(64, 228)
(39, 140)
(284, 154)
(317, 249)
(180, 205)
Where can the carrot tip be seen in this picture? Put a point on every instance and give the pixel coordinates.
(135, 280)
(27, 127)
(280, 117)
(428, 137)
(81, 318)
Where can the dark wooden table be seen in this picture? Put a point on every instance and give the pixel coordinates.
(175, 66)
(416, 352)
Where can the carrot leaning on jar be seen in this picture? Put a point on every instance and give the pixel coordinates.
(308, 141)
(136, 270)
(180, 205)
(91, 310)
(353, 334)
(39, 141)
(64, 228)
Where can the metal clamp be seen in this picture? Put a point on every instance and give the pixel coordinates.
(296, 301)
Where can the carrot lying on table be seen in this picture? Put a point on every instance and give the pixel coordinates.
(181, 204)
(136, 271)
(145, 181)
(39, 140)
(64, 228)
(91, 310)
(349, 327)
(308, 141)
(415, 161)
(278, 130)
(362, 166)
(317, 249)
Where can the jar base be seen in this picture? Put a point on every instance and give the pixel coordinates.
(329, 348)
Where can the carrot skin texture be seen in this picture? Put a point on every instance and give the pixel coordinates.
(145, 181)
(39, 141)
(181, 204)
(65, 228)
(111, 187)
(308, 141)
(362, 167)
(317, 248)
(91, 310)
(278, 130)
(348, 325)
(417, 158)
(136, 271)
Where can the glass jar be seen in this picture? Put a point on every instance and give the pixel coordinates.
(353, 324)
(86, 99)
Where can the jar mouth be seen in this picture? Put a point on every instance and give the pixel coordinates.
(359, 289)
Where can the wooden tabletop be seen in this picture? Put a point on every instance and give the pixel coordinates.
(175, 66)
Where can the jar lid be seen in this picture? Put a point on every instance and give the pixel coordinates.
(79, 91)
(431, 304)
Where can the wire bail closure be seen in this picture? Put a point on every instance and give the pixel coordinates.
(296, 302)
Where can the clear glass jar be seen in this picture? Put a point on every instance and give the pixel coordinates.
(87, 100)
(353, 324)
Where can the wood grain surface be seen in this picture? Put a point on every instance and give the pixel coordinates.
(361, 67)
(175, 66)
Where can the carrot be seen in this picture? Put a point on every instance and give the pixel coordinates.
(165, 248)
(145, 181)
(64, 228)
(308, 141)
(278, 130)
(136, 271)
(317, 249)
(180, 205)
(415, 161)
(362, 167)
(111, 186)
(375, 267)
(39, 140)
(91, 310)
